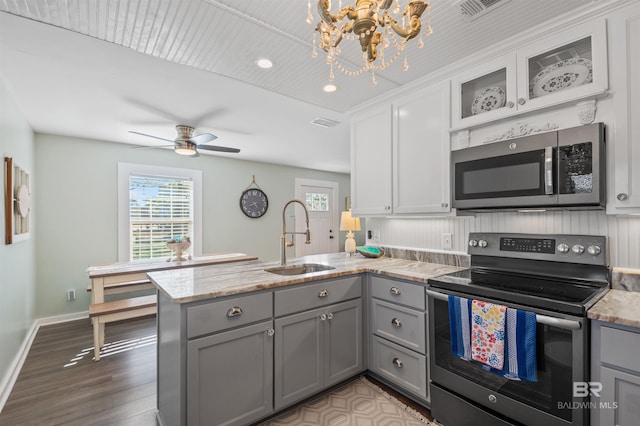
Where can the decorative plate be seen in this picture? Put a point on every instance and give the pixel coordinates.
(562, 75)
(489, 99)
(368, 251)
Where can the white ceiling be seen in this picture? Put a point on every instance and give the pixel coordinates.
(99, 68)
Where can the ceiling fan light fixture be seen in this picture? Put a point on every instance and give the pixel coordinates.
(185, 149)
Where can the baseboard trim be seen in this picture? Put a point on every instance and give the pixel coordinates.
(14, 369)
(6, 386)
(63, 318)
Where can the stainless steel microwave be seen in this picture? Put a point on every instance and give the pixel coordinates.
(564, 168)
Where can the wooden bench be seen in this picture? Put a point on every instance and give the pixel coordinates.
(129, 277)
(117, 310)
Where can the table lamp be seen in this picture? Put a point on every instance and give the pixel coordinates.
(350, 224)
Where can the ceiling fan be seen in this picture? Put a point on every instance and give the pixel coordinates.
(188, 144)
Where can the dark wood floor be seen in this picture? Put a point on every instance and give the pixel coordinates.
(60, 384)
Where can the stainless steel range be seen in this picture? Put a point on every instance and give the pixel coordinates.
(557, 277)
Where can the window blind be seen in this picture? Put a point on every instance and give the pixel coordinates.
(160, 208)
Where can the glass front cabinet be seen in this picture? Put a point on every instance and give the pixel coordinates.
(567, 67)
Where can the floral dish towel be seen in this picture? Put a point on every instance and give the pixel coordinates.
(487, 333)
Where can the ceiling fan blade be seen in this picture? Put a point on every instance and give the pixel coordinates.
(218, 148)
(203, 138)
(150, 136)
(156, 146)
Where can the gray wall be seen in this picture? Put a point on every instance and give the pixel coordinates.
(77, 209)
(17, 261)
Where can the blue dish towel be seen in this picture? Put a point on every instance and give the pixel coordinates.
(520, 340)
(460, 326)
(520, 347)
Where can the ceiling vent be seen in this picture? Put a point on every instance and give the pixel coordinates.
(324, 122)
(473, 9)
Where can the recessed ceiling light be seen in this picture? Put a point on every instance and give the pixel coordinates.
(264, 63)
(330, 87)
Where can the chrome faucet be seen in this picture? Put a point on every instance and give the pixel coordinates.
(283, 238)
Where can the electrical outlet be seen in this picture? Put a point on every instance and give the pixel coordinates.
(447, 243)
(71, 295)
(376, 235)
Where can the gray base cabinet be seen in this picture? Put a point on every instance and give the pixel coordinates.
(398, 341)
(316, 349)
(230, 376)
(616, 366)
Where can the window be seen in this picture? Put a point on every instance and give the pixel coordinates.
(317, 202)
(157, 204)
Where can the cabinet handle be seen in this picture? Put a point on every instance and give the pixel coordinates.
(510, 104)
(387, 207)
(271, 332)
(234, 312)
(397, 362)
(329, 316)
(622, 196)
(394, 290)
(444, 205)
(396, 322)
(522, 101)
(323, 317)
(323, 293)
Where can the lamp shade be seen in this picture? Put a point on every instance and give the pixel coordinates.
(348, 222)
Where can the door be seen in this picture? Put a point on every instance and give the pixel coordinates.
(343, 341)
(230, 376)
(298, 357)
(321, 199)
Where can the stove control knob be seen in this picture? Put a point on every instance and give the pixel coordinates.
(473, 243)
(563, 248)
(593, 250)
(482, 243)
(578, 249)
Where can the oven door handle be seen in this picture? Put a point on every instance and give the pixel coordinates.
(542, 319)
(548, 170)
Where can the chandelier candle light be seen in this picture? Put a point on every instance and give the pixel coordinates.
(363, 23)
(349, 223)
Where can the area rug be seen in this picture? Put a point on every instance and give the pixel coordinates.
(358, 403)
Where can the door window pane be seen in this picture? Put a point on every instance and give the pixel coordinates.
(317, 202)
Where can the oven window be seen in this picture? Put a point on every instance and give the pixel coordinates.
(512, 175)
(552, 392)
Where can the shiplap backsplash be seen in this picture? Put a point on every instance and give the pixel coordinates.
(426, 233)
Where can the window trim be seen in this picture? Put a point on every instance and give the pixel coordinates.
(125, 170)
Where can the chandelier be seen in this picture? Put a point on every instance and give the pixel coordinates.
(363, 23)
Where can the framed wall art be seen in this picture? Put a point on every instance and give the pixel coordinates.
(17, 203)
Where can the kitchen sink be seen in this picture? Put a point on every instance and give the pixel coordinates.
(305, 268)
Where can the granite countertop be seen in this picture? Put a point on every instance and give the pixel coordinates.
(618, 307)
(207, 282)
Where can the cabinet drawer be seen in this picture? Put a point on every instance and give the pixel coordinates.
(228, 313)
(312, 296)
(399, 324)
(399, 292)
(620, 348)
(399, 365)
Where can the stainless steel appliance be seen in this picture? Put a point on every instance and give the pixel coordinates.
(558, 277)
(565, 168)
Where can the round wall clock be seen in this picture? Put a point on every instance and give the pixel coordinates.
(254, 203)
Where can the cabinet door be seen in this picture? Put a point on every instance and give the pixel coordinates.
(421, 152)
(230, 376)
(626, 100)
(371, 162)
(342, 341)
(562, 68)
(298, 357)
(484, 93)
(620, 398)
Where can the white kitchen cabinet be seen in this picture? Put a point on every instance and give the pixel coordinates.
(566, 67)
(625, 54)
(371, 162)
(400, 155)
